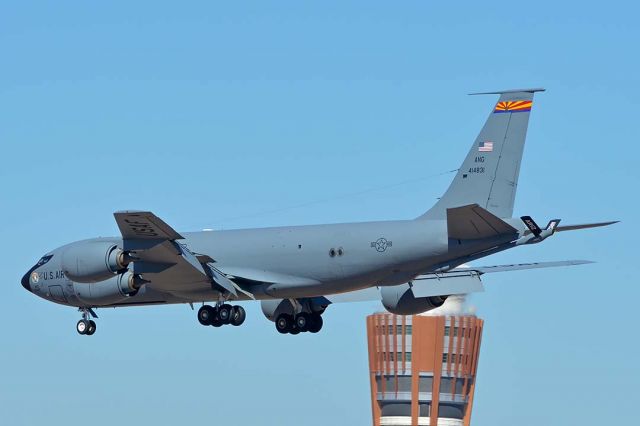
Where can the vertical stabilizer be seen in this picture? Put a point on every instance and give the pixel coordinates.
(489, 174)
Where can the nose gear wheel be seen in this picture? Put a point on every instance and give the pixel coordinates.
(86, 326)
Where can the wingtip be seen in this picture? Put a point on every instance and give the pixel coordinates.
(582, 262)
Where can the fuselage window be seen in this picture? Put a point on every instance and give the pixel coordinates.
(44, 260)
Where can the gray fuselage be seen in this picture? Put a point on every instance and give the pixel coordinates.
(297, 261)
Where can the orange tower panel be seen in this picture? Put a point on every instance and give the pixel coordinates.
(422, 369)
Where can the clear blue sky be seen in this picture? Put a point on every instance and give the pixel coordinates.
(216, 116)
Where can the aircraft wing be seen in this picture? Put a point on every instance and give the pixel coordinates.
(460, 280)
(427, 285)
(521, 266)
(141, 225)
(164, 263)
(157, 256)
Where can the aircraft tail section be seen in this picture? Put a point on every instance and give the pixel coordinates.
(489, 174)
(473, 222)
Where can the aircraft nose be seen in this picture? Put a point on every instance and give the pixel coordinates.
(25, 281)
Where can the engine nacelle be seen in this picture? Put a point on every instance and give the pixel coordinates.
(399, 300)
(274, 307)
(113, 290)
(92, 261)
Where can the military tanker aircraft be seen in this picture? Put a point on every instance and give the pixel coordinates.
(296, 272)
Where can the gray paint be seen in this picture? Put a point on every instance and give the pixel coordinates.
(306, 264)
(270, 258)
(495, 188)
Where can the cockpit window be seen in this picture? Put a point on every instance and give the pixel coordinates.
(44, 260)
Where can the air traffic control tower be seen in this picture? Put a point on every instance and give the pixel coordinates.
(423, 368)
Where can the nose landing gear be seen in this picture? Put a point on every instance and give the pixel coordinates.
(86, 326)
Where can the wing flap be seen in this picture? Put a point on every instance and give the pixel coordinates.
(447, 283)
(222, 281)
(169, 266)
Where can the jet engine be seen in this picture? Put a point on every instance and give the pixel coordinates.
(400, 300)
(274, 307)
(113, 290)
(93, 261)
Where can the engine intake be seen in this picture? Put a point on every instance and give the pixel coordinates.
(93, 261)
(400, 300)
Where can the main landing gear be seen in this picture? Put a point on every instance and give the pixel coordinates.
(300, 323)
(221, 315)
(86, 326)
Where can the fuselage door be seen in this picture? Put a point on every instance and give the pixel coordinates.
(57, 294)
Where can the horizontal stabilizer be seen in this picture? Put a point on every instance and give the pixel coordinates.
(584, 226)
(520, 266)
(574, 227)
(473, 222)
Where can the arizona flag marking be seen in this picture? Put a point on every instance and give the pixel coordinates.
(513, 106)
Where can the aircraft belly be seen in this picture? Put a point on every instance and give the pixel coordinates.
(315, 290)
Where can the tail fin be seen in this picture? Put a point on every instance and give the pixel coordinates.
(489, 174)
